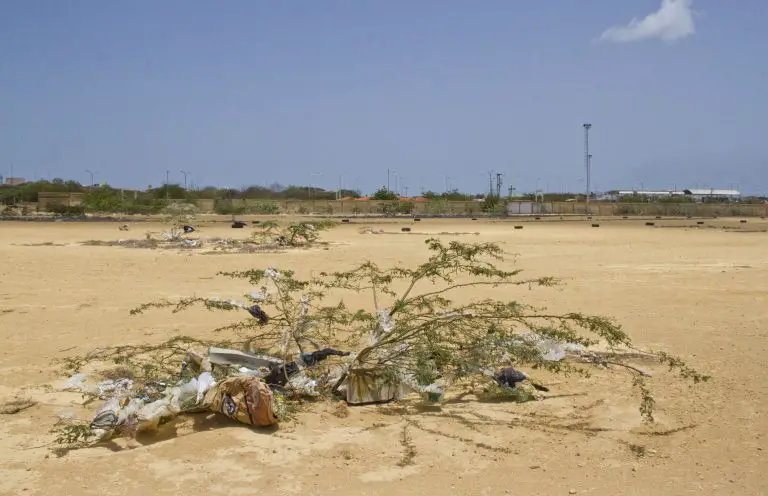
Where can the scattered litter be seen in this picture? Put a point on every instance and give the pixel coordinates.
(510, 377)
(433, 393)
(302, 384)
(318, 356)
(260, 295)
(204, 383)
(258, 314)
(76, 382)
(365, 386)
(188, 229)
(247, 400)
(223, 356)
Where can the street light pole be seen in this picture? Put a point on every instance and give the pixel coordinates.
(185, 178)
(91, 173)
(587, 158)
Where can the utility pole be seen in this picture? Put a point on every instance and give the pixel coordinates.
(587, 158)
(490, 183)
(498, 184)
(167, 179)
(387, 179)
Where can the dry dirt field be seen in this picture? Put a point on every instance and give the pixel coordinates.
(701, 293)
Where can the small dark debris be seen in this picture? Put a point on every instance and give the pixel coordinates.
(406, 229)
(658, 216)
(238, 224)
(595, 225)
(743, 221)
(345, 221)
(255, 222)
(417, 219)
(259, 314)
(518, 227)
(700, 222)
(649, 224)
(538, 218)
(474, 218)
(625, 217)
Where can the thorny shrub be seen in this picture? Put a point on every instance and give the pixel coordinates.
(413, 326)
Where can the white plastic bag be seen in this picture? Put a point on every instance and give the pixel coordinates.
(385, 320)
(204, 383)
(184, 396)
(76, 383)
(303, 384)
(149, 415)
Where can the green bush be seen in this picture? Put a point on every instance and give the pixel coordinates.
(66, 210)
(264, 208)
(227, 208)
(398, 207)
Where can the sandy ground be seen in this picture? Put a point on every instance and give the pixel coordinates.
(699, 292)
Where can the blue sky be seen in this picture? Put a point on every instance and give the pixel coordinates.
(254, 92)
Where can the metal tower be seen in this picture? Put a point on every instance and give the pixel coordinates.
(587, 157)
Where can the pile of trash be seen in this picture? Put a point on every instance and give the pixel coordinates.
(252, 388)
(230, 382)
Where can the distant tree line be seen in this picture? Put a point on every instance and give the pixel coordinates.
(106, 198)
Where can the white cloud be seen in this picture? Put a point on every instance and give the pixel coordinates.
(673, 21)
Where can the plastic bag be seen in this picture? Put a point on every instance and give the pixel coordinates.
(245, 371)
(149, 416)
(120, 387)
(204, 383)
(272, 273)
(77, 383)
(184, 396)
(433, 393)
(105, 420)
(302, 384)
(385, 320)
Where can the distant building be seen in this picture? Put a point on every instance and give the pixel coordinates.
(44, 199)
(649, 193)
(699, 195)
(14, 181)
(709, 194)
